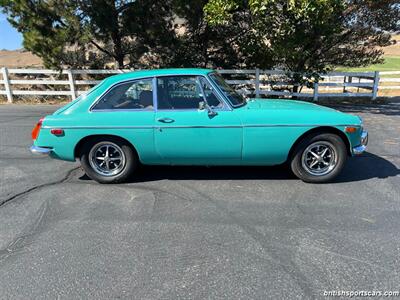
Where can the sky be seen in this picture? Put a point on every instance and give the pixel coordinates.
(10, 39)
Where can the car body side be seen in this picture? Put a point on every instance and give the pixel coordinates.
(262, 132)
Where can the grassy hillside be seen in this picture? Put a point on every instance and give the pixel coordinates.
(392, 63)
(392, 60)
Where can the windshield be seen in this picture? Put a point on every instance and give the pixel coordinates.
(234, 97)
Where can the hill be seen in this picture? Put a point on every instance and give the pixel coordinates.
(19, 59)
(394, 50)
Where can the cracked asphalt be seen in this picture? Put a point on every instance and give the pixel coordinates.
(195, 233)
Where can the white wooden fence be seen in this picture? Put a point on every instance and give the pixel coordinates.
(254, 83)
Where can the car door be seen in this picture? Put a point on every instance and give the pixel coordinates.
(126, 110)
(185, 132)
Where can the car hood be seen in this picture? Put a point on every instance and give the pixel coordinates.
(282, 111)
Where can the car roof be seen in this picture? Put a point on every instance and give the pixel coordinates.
(157, 72)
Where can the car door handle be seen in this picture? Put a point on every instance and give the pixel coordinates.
(166, 120)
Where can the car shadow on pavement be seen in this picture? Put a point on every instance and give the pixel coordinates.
(367, 166)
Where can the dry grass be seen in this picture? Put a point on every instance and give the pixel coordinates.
(19, 59)
(393, 50)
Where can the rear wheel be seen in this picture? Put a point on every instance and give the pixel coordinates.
(319, 158)
(108, 160)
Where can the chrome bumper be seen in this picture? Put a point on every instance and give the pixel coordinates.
(40, 150)
(364, 142)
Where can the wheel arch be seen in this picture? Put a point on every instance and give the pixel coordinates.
(78, 146)
(319, 130)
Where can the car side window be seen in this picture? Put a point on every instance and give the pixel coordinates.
(130, 95)
(182, 92)
(210, 95)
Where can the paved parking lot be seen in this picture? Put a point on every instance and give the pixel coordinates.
(197, 232)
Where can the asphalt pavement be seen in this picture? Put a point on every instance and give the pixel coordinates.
(197, 232)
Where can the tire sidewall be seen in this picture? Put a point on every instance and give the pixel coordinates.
(131, 160)
(339, 148)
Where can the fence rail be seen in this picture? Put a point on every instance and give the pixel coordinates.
(252, 82)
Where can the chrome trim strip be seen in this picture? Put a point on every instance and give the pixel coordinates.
(101, 127)
(124, 110)
(221, 98)
(364, 142)
(364, 138)
(188, 126)
(219, 91)
(196, 127)
(141, 127)
(155, 97)
(187, 110)
(40, 150)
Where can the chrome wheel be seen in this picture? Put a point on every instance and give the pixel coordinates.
(319, 158)
(107, 159)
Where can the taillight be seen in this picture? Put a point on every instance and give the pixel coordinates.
(57, 131)
(36, 129)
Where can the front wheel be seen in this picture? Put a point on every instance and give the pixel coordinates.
(319, 158)
(108, 160)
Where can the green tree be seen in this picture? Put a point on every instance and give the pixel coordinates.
(304, 36)
(308, 37)
(44, 31)
(203, 45)
(131, 33)
(140, 31)
(83, 33)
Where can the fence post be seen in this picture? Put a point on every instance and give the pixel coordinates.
(315, 97)
(376, 85)
(71, 84)
(349, 81)
(257, 83)
(344, 84)
(7, 84)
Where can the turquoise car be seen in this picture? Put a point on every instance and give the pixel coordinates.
(193, 117)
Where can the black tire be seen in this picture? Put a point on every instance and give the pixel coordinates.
(305, 164)
(122, 173)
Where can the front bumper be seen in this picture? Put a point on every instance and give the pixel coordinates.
(40, 150)
(364, 142)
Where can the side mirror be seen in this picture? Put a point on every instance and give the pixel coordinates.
(211, 112)
(204, 105)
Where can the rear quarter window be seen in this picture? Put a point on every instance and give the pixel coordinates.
(129, 95)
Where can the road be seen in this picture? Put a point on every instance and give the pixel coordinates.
(196, 233)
